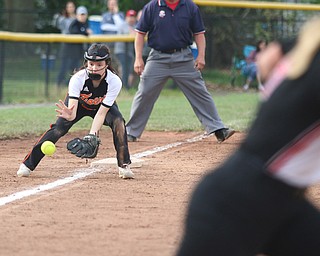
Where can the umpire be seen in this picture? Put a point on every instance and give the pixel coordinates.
(171, 26)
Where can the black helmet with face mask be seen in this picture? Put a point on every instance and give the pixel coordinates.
(97, 52)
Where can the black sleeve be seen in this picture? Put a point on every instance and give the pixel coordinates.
(77, 28)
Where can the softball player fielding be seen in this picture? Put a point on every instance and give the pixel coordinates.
(92, 92)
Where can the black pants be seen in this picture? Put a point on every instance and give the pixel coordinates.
(113, 119)
(239, 210)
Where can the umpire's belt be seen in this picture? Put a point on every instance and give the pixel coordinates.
(173, 50)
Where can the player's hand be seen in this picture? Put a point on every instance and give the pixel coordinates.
(199, 63)
(89, 31)
(139, 66)
(64, 111)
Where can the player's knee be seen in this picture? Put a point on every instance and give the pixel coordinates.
(118, 121)
(118, 124)
(59, 131)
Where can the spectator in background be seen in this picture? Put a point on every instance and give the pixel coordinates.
(112, 20)
(62, 21)
(73, 52)
(125, 51)
(250, 69)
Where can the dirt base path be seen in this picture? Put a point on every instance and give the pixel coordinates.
(103, 214)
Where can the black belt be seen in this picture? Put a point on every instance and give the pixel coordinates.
(173, 50)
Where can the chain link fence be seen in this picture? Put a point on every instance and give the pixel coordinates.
(29, 70)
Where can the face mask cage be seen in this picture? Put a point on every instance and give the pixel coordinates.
(94, 76)
(96, 54)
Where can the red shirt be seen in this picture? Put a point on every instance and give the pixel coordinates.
(172, 6)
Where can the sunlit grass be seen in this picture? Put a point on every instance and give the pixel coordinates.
(172, 112)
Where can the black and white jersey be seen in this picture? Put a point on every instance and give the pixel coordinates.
(81, 88)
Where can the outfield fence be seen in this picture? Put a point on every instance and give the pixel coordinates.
(29, 63)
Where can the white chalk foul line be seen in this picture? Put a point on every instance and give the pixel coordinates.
(172, 145)
(25, 193)
(82, 173)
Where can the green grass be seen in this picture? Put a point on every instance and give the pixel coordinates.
(172, 112)
(218, 77)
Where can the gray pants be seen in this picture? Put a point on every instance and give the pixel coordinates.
(180, 67)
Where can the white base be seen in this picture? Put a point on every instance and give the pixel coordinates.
(135, 163)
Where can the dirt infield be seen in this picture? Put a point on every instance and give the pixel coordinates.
(102, 214)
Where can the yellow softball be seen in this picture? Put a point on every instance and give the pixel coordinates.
(48, 148)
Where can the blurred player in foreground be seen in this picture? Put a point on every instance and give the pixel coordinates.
(255, 202)
(92, 92)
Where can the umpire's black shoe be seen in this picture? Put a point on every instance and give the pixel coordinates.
(131, 138)
(223, 134)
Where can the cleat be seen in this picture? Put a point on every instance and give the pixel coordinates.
(23, 171)
(125, 172)
(223, 134)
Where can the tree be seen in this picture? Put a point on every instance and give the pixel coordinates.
(19, 16)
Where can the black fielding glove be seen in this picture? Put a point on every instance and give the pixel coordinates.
(86, 147)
